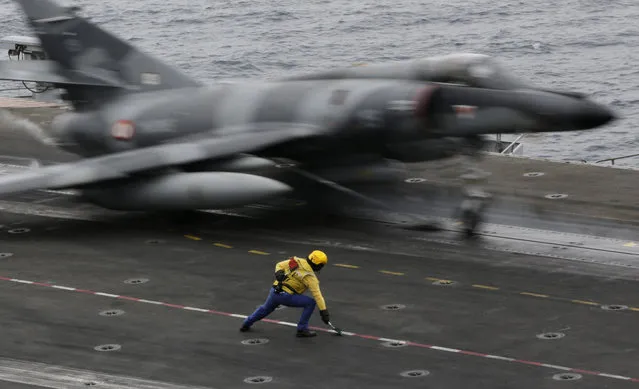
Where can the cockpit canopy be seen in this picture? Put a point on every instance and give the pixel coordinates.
(476, 70)
(469, 69)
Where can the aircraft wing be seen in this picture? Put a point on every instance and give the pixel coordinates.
(122, 164)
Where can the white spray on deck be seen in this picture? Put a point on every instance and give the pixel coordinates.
(11, 122)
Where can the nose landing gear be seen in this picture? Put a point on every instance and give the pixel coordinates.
(475, 198)
(472, 209)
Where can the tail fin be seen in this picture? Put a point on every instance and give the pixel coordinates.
(80, 46)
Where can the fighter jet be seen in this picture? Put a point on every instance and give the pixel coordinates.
(469, 70)
(463, 69)
(153, 138)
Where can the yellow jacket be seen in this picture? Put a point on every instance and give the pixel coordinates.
(300, 279)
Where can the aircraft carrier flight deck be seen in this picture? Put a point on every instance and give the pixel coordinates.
(545, 296)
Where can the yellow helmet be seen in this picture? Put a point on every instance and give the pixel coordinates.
(318, 258)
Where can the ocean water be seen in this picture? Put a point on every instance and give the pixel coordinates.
(590, 46)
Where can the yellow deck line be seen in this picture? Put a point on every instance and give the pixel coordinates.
(533, 294)
(485, 287)
(223, 245)
(584, 302)
(347, 266)
(391, 273)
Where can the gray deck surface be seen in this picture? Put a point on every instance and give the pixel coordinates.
(538, 267)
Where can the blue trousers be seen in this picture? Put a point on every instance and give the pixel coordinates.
(275, 299)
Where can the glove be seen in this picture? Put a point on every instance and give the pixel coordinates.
(280, 277)
(325, 316)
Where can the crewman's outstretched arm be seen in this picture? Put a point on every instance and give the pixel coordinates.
(313, 284)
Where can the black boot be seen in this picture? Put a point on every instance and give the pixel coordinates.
(306, 334)
(244, 328)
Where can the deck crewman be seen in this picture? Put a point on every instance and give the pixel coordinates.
(293, 277)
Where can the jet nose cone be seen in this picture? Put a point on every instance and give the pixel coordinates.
(594, 115)
(572, 113)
